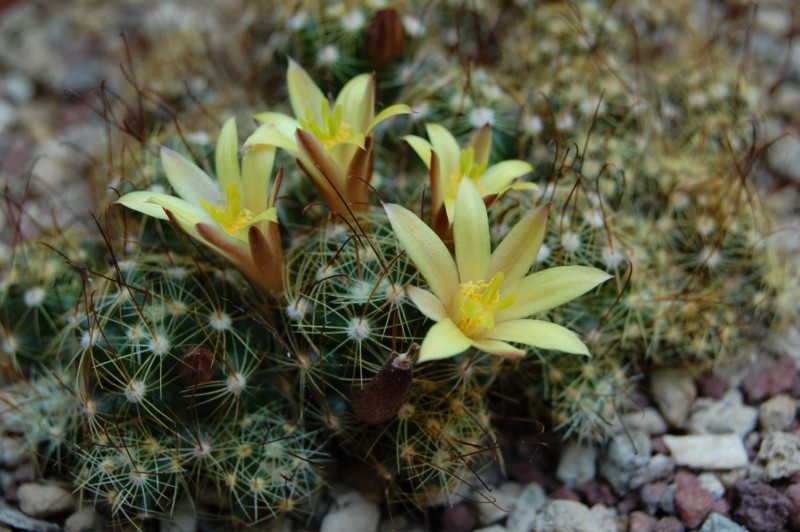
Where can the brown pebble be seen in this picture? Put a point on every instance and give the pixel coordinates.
(792, 495)
(769, 381)
(458, 518)
(659, 447)
(627, 504)
(651, 495)
(641, 522)
(693, 502)
(565, 494)
(710, 386)
(759, 507)
(722, 507)
(669, 524)
(597, 492)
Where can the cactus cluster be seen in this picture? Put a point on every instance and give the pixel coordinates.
(263, 334)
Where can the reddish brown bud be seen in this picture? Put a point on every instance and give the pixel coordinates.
(385, 39)
(382, 397)
(198, 366)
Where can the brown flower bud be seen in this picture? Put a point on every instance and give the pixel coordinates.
(198, 366)
(382, 397)
(385, 39)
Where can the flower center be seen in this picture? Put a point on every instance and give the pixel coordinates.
(477, 304)
(231, 216)
(468, 167)
(331, 130)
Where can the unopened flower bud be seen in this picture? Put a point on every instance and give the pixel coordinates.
(382, 397)
(385, 38)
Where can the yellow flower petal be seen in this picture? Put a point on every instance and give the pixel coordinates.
(393, 110)
(471, 233)
(446, 148)
(496, 347)
(550, 288)
(188, 180)
(357, 101)
(421, 146)
(481, 143)
(256, 176)
(227, 156)
(514, 256)
(442, 341)
(427, 303)
(498, 176)
(303, 92)
(537, 333)
(271, 134)
(426, 251)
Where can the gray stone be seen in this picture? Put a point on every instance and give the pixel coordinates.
(784, 157)
(625, 454)
(18, 87)
(84, 521)
(786, 100)
(711, 483)
(648, 420)
(659, 467)
(183, 518)
(505, 497)
(350, 512)
(577, 464)
(777, 413)
(41, 500)
(773, 21)
(8, 114)
(667, 501)
(779, 455)
(493, 528)
(531, 499)
(674, 392)
(574, 516)
(719, 523)
(707, 451)
(12, 450)
(20, 521)
(727, 416)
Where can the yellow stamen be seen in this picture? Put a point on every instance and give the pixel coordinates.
(332, 130)
(468, 167)
(479, 301)
(230, 216)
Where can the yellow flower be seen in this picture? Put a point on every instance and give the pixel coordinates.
(482, 299)
(235, 214)
(449, 164)
(332, 142)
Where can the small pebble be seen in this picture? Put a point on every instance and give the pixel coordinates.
(85, 520)
(710, 386)
(777, 413)
(350, 512)
(674, 391)
(779, 455)
(42, 500)
(18, 87)
(597, 492)
(505, 497)
(659, 467)
(759, 507)
(577, 464)
(531, 499)
(708, 451)
(641, 522)
(651, 495)
(648, 420)
(792, 495)
(625, 454)
(667, 502)
(711, 482)
(693, 503)
(669, 524)
(776, 377)
(571, 515)
(726, 416)
(19, 521)
(719, 523)
(458, 518)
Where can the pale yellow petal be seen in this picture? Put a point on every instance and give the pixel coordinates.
(443, 340)
(357, 100)
(285, 124)
(393, 110)
(421, 146)
(498, 176)
(427, 303)
(140, 202)
(426, 251)
(227, 156)
(471, 233)
(269, 134)
(538, 333)
(188, 180)
(550, 288)
(481, 143)
(446, 148)
(256, 175)
(496, 347)
(303, 92)
(514, 256)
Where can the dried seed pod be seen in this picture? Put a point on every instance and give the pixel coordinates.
(385, 39)
(382, 397)
(198, 366)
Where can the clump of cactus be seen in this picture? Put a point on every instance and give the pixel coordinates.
(349, 287)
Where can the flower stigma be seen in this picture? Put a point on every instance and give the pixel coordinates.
(332, 130)
(231, 216)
